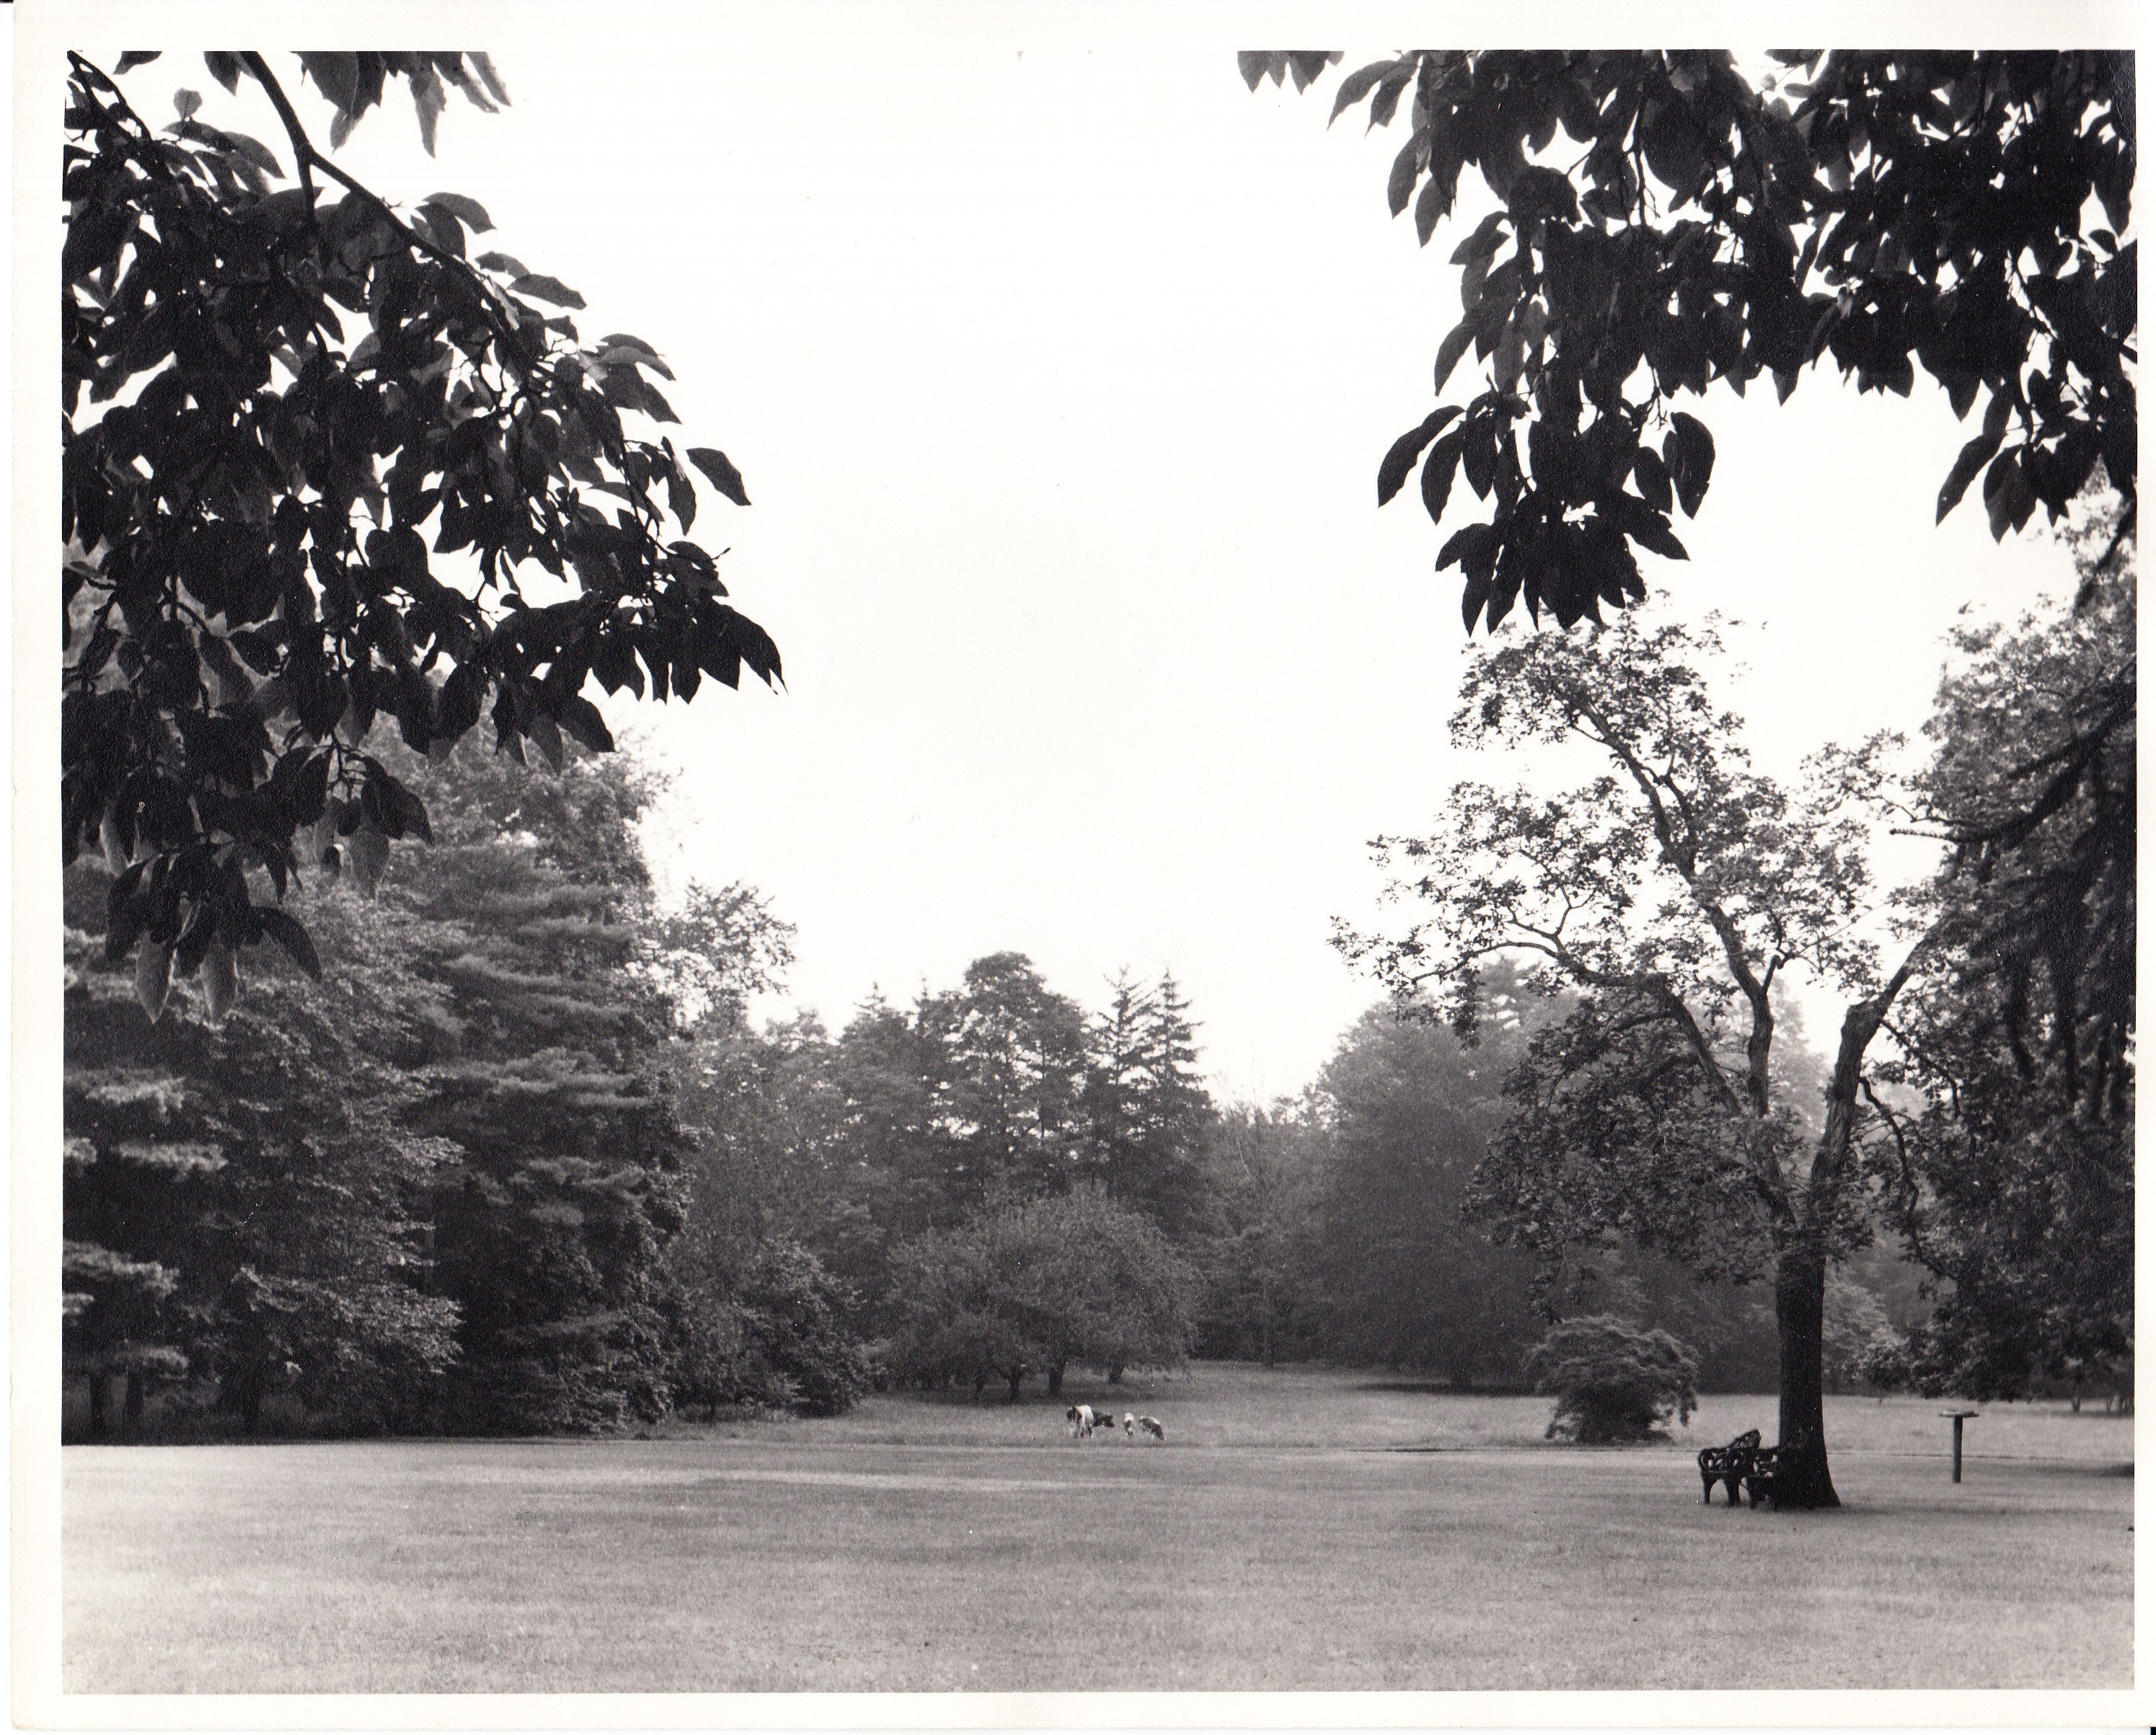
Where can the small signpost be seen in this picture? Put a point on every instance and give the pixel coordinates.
(1957, 1417)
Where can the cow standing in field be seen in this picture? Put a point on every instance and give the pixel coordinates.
(1082, 1420)
(1134, 1425)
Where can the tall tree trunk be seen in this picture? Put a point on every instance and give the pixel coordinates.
(1015, 1374)
(1801, 1264)
(1116, 1374)
(1056, 1379)
(1799, 1329)
(245, 1394)
(132, 1413)
(100, 1422)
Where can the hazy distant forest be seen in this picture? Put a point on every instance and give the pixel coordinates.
(522, 1161)
(487, 1140)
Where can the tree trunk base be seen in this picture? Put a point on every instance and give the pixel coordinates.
(1802, 1482)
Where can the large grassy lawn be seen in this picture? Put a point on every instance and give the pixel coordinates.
(1300, 1529)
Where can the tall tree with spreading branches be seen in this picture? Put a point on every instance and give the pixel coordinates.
(1667, 894)
(2013, 1181)
(324, 468)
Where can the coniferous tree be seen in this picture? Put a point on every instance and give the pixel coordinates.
(1015, 1054)
(548, 1227)
(1148, 1108)
(243, 1202)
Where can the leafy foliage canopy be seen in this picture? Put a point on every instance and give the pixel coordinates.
(1891, 211)
(317, 455)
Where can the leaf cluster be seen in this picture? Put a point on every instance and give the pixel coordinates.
(1890, 210)
(283, 412)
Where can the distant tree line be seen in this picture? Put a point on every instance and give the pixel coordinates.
(524, 1162)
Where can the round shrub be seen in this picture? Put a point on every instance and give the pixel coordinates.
(1885, 1365)
(1612, 1382)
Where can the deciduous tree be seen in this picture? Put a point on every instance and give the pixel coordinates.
(2013, 1181)
(325, 467)
(1262, 1167)
(1407, 1280)
(1040, 1285)
(1667, 893)
(1892, 211)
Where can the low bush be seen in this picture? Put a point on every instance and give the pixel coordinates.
(1612, 1382)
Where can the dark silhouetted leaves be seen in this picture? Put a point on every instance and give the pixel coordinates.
(1401, 460)
(469, 212)
(1688, 451)
(720, 469)
(288, 932)
(1912, 209)
(547, 289)
(1972, 458)
(1437, 473)
(299, 407)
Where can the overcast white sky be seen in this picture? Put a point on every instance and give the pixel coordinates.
(1058, 370)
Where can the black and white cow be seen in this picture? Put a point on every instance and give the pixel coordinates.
(1082, 1420)
(1145, 1425)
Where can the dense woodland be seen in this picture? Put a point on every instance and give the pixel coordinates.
(487, 1140)
(522, 1160)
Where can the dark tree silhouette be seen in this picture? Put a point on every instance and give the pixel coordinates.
(1891, 211)
(315, 457)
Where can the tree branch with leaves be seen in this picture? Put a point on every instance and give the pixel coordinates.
(280, 533)
(1891, 211)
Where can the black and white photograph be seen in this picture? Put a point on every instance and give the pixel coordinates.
(1009, 857)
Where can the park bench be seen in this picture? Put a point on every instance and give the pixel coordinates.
(1763, 1465)
(1730, 1465)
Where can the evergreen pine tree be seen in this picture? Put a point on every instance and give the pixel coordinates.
(241, 1202)
(1149, 1113)
(566, 1185)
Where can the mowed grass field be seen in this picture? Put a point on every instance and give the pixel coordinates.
(1313, 1529)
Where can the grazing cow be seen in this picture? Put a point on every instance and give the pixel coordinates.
(1148, 1425)
(1081, 1419)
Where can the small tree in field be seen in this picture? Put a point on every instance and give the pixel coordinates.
(1072, 1279)
(1613, 1383)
